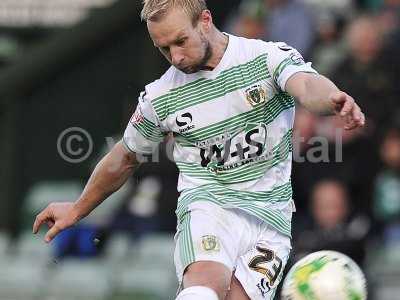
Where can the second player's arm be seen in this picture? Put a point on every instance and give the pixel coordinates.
(109, 175)
(320, 95)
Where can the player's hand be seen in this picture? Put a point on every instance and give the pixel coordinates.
(348, 110)
(57, 216)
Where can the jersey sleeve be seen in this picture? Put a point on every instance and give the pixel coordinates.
(143, 133)
(285, 61)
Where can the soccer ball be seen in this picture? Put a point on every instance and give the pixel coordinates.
(325, 275)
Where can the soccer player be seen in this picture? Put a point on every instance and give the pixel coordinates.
(229, 102)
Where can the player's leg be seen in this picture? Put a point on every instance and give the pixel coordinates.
(197, 293)
(206, 251)
(205, 280)
(236, 291)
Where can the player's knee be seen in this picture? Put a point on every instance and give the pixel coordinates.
(236, 291)
(212, 275)
(197, 293)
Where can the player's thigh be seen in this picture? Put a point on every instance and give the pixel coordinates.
(236, 291)
(210, 274)
(206, 233)
(207, 244)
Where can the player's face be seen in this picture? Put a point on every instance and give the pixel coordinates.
(329, 205)
(183, 44)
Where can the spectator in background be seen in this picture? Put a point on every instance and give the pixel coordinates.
(333, 225)
(387, 187)
(393, 4)
(372, 77)
(249, 20)
(290, 21)
(330, 48)
(334, 6)
(369, 74)
(389, 22)
(330, 18)
(375, 5)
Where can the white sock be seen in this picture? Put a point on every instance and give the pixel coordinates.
(197, 293)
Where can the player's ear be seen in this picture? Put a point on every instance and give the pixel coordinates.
(205, 20)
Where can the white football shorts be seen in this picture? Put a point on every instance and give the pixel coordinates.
(251, 248)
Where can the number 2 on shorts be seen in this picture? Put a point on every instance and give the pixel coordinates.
(266, 257)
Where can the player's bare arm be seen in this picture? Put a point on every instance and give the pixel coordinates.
(321, 96)
(109, 175)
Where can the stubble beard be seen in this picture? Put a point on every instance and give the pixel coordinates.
(202, 64)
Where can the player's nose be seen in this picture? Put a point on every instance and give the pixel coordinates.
(176, 57)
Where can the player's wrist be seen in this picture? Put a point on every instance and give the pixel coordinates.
(333, 107)
(76, 213)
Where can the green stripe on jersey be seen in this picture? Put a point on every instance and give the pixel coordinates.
(255, 203)
(262, 113)
(287, 62)
(149, 130)
(247, 171)
(204, 90)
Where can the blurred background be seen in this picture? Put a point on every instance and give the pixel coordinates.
(70, 75)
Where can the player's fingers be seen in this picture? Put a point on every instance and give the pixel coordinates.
(353, 124)
(339, 97)
(356, 113)
(350, 126)
(355, 120)
(50, 223)
(347, 107)
(362, 119)
(40, 219)
(360, 122)
(54, 230)
(348, 122)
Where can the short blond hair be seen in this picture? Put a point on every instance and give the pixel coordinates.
(153, 10)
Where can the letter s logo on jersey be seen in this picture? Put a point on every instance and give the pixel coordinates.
(184, 122)
(184, 119)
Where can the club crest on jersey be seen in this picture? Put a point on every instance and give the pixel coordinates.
(210, 243)
(255, 95)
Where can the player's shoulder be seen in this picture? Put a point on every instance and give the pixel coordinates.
(275, 48)
(163, 85)
(248, 47)
(255, 47)
(160, 86)
(278, 46)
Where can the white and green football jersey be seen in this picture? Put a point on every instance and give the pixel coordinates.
(232, 127)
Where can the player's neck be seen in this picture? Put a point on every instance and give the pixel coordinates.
(219, 43)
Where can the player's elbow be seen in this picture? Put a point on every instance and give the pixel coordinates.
(121, 159)
(310, 89)
(299, 86)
